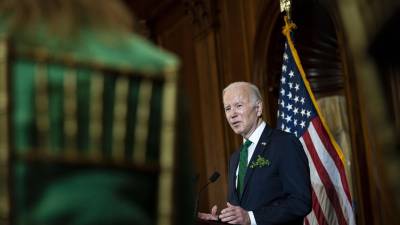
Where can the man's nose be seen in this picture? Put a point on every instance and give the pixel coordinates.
(233, 113)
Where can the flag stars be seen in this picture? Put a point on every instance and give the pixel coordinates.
(284, 67)
(285, 57)
(296, 86)
(308, 113)
(282, 91)
(288, 118)
(289, 95)
(295, 110)
(296, 99)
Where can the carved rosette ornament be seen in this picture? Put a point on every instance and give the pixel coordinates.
(203, 14)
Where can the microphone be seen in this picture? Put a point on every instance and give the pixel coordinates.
(214, 177)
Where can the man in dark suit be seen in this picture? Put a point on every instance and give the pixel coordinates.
(269, 180)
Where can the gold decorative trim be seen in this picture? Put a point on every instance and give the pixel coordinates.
(96, 115)
(70, 111)
(166, 180)
(120, 112)
(42, 106)
(142, 121)
(4, 131)
(4, 143)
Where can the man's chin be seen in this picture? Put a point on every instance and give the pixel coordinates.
(237, 131)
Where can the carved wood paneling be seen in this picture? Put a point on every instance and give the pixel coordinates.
(214, 40)
(179, 39)
(393, 93)
(194, 42)
(203, 15)
(211, 112)
(268, 24)
(361, 177)
(234, 39)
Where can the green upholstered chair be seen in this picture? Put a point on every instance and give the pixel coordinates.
(87, 130)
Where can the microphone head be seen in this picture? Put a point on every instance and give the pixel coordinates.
(214, 177)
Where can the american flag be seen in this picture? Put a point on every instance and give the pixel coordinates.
(298, 114)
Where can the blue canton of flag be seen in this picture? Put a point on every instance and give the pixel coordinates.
(295, 106)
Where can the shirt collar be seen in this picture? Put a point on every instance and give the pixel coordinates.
(255, 136)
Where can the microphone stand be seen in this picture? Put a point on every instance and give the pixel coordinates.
(214, 177)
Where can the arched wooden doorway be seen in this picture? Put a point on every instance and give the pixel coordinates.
(318, 46)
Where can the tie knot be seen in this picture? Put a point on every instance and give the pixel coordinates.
(246, 144)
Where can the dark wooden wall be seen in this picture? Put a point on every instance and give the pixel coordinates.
(214, 40)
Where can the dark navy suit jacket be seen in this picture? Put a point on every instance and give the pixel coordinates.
(281, 192)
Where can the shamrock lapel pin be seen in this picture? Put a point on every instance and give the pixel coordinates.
(260, 162)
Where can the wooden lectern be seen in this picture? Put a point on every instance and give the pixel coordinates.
(209, 222)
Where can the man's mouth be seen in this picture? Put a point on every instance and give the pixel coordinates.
(235, 124)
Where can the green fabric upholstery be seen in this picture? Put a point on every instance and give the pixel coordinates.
(23, 97)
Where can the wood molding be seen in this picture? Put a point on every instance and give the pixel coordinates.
(364, 213)
(195, 42)
(265, 28)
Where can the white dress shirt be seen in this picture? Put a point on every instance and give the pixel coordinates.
(254, 138)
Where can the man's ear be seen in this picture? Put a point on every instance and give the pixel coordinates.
(259, 106)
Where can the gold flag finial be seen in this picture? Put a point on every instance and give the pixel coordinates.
(286, 6)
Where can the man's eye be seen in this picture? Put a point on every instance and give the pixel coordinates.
(227, 109)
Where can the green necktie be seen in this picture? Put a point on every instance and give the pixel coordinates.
(243, 165)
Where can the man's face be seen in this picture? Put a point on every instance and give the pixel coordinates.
(241, 111)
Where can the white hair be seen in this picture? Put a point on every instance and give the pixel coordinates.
(254, 91)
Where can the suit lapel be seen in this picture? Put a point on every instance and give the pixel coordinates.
(262, 145)
(232, 175)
